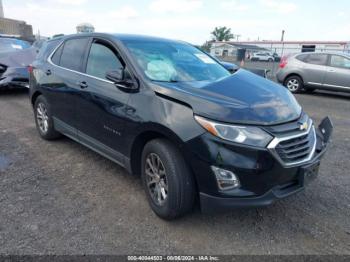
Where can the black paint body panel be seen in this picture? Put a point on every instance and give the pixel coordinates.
(111, 120)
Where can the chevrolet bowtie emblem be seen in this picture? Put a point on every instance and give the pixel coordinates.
(303, 126)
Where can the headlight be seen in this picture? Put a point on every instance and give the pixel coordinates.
(248, 135)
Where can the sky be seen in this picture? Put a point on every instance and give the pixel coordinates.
(190, 20)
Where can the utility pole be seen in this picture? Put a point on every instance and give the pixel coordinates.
(1, 10)
(282, 36)
(282, 41)
(237, 37)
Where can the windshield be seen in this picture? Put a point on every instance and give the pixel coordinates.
(9, 44)
(175, 62)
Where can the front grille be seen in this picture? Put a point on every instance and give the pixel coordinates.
(291, 146)
(296, 149)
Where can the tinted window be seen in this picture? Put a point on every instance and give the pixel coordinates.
(46, 49)
(302, 57)
(340, 61)
(57, 56)
(73, 53)
(317, 59)
(101, 60)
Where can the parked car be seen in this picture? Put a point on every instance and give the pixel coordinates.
(167, 111)
(263, 56)
(232, 68)
(310, 71)
(276, 57)
(15, 56)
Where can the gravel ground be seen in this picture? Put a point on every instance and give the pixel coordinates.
(61, 198)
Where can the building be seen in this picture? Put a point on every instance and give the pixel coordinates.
(14, 27)
(17, 28)
(85, 28)
(232, 49)
(281, 48)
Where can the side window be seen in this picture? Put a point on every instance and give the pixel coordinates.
(73, 53)
(46, 49)
(57, 55)
(101, 60)
(302, 57)
(340, 61)
(317, 59)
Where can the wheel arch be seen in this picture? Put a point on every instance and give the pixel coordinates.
(146, 135)
(293, 74)
(35, 95)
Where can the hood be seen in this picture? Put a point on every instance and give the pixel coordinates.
(20, 58)
(240, 98)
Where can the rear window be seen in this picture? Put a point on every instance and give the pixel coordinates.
(302, 57)
(12, 44)
(316, 59)
(73, 53)
(57, 56)
(46, 49)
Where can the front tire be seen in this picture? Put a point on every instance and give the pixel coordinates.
(43, 119)
(294, 84)
(167, 180)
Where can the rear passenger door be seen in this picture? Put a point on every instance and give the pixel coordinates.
(101, 105)
(314, 70)
(65, 71)
(338, 73)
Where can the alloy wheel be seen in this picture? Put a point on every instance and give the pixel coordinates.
(156, 179)
(293, 85)
(42, 118)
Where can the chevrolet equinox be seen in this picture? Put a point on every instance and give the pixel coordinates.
(168, 112)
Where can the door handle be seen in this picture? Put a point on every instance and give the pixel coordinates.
(48, 72)
(83, 84)
(331, 70)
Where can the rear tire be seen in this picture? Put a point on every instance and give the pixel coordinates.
(294, 84)
(43, 119)
(167, 180)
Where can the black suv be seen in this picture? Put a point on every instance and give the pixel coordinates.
(165, 110)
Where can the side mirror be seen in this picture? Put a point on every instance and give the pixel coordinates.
(122, 79)
(116, 76)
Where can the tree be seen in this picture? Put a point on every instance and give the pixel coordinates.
(206, 46)
(222, 33)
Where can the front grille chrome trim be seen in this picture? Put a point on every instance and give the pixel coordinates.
(273, 144)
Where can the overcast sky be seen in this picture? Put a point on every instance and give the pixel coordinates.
(190, 20)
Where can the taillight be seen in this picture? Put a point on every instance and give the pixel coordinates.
(283, 62)
(30, 69)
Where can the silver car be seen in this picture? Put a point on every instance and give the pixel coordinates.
(310, 71)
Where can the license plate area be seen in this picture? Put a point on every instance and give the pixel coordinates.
(309, 173)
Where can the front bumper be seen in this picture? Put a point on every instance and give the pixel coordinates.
(263, 179)
(211, 204)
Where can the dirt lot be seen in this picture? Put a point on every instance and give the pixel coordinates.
(59, 197)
